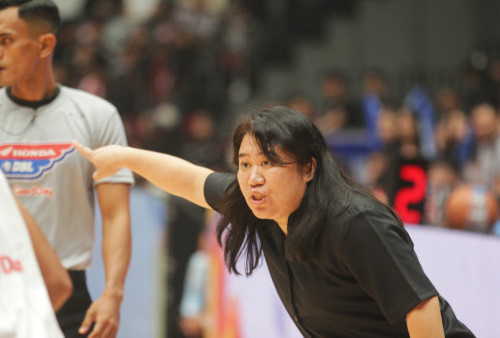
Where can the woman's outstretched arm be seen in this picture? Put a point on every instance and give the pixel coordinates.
(170, 173)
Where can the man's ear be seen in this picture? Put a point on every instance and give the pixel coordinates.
(47, 43)
(310, 170)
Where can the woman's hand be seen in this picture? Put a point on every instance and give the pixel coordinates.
(105, 159)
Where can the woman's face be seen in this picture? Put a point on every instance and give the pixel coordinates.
(272, 191)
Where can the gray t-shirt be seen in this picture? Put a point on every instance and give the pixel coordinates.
(48, 175)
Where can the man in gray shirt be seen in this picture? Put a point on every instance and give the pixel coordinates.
(38, 121)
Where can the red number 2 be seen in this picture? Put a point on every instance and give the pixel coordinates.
(411, 195)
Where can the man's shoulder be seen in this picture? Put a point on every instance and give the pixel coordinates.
(86, 99)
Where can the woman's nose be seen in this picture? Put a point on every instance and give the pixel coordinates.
(256, 177)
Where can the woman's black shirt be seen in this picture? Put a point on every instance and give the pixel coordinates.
(362, 280)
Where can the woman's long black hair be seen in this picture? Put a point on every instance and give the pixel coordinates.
(294, 133)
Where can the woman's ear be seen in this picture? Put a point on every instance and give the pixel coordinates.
(47, 43)
(310, 170)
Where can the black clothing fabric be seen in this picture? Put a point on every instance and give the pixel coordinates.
(362, 280)
(33, 104)
(71, 315)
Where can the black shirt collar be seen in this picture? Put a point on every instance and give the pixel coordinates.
(33, 104)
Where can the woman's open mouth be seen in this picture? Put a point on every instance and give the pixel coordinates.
(256, 197)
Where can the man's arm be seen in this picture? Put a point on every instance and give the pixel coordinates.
(116, 250)
(425, 320)
(56, 277)
(172, 174)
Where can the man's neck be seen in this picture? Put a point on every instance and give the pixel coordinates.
(33, 92)
(41, 86)
(35, 104)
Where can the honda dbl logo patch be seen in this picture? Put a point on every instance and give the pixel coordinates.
(31, 161)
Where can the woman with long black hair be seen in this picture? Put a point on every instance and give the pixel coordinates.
(341, 261)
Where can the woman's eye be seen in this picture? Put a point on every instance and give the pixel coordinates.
(244, 165)
(5, 41)
(266, 164)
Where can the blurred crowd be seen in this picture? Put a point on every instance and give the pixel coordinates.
(176, 75)
(441, 140)
(170, 76)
